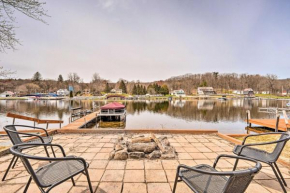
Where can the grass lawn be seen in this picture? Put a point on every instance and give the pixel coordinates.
(272, 96)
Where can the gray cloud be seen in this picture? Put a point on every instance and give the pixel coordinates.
(152, 40)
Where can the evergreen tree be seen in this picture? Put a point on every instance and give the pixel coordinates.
(138, 89)
(107, 88)
(37, 77)
(134, 91)
(123, 86)
(144, 90)
(60, 78)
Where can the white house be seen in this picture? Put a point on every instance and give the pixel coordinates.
(265, 92)
(62, 92)
(248, 92)
(205, 91)
(179, 92)
(116, 91)
(7, 94)
(237, 92)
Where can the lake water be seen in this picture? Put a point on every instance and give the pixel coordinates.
(225, 116)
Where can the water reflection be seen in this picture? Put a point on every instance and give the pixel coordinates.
(202, 114)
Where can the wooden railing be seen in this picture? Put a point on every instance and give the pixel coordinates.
(35, 120)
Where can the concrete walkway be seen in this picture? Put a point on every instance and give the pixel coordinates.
(140, 176)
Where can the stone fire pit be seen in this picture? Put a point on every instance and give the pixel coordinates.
(142, 146)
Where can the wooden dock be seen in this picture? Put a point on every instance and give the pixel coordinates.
(270, 123)
(81, 121)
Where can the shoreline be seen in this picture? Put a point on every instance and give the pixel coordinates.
(192, 97)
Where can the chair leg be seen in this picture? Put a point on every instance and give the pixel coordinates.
(73, 182)
(89, 181)
(175, 182)
(277, 176)
(52, 151)
(236, 163)
(280, 174)
(15, 163)
(11, 162)
(45, 148)
(27, 185)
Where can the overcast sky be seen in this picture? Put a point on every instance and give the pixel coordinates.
(150, 40)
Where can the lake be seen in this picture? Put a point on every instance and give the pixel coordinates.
(225, 116)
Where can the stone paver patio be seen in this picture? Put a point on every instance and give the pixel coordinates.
(142, 176)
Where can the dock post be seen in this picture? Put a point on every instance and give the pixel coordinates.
(286, 118)
(85, 122)
(277, 123)
(248, 118)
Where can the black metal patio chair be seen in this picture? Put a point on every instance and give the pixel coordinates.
(55, 172)
(270, 158)
(15, 136)
(206, 179)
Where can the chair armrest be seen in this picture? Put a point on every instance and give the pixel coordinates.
(227, 173)
(260, 134)
(43, 130)
(258, 165)
(31, 145)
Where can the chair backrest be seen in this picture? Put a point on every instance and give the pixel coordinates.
(239, 183)
(280, 145)
(13, 135)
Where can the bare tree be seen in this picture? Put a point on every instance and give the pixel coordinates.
(73, 78)
(4, 73)
(271, 80)
(30, 8)
(96, 78)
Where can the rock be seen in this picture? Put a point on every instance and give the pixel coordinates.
(118, 147)
(111, 155)
(169, 150)
(137, 136)
(120, 138)
(136, 155)
(121, 155)
(168, 156)
(154, 155)
(164, 141)
(142, 140)
(142, 147)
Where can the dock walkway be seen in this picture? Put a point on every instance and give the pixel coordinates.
(81, 121)
(270, 123)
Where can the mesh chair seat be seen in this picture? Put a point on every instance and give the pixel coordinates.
(46, 139)
(254, 153)
(58, 170)
(204, 182)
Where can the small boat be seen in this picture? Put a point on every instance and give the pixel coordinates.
(223, 98)
(32, 98)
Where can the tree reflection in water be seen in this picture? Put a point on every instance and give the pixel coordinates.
(207, 111)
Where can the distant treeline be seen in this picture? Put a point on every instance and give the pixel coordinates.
(222, 83)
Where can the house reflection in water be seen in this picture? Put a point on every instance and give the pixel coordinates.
(205, 104)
